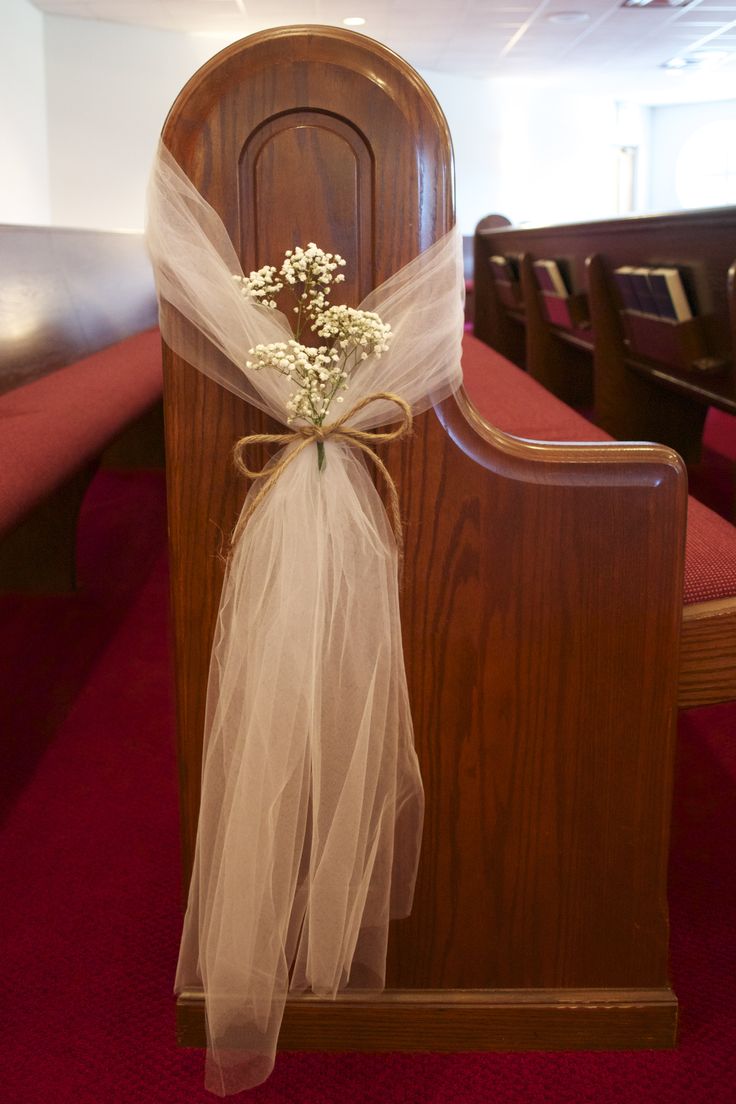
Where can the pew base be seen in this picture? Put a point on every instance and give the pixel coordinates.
(465, 1020)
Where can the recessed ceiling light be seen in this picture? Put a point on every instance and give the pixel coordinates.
(354, 21)
(569, 17)
(654, 3)
(700, 59)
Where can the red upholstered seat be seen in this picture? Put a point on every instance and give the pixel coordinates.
(50, 428)
(515, 403)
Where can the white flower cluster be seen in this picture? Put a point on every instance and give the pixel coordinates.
(261, 285)
(348, 326)
(317, 373)
(353, 334)
(310, 272)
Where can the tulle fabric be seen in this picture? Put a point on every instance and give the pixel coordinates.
(312, 803)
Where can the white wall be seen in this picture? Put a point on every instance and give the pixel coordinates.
(476, 132)
(109, 89)
(533, 152)
(24, 178)
(675, 154)
(84, 102)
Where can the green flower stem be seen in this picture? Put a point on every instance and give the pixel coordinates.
(320, 455)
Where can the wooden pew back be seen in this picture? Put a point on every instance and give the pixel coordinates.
(540, 607)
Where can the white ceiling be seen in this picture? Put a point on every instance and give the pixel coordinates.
(618, 48)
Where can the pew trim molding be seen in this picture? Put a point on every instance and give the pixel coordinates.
(456, 1020)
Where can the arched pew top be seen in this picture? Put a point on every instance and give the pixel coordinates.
(368, 97)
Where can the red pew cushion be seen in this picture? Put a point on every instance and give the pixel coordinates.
(515, 403)
(50, 428)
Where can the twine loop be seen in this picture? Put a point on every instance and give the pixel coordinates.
(362, 439)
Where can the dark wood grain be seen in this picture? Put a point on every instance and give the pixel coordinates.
(541, 603)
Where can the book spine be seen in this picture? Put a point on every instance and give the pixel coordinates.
(544, 282)
(665, 306)
(670, 294)
(549, 278)
(502, 269)
(644, 293)
(626, 287)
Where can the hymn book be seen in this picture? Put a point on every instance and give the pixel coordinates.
(504, 269)
(550, 279)
(658, 292)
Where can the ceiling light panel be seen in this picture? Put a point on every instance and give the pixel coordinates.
(457, 38)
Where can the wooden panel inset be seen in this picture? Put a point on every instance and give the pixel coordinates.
(333, 208)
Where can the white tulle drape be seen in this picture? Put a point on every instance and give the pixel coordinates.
(311, 813)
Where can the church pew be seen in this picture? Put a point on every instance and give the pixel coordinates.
(68, 294)
(541, 604)
(636, 395)
(80, 380)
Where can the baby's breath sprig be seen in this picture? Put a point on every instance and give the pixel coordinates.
(261, 286)
(353, 335)
(310, 273)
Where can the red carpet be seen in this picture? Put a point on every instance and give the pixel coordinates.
(89, 874)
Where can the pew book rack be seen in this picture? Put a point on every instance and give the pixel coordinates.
(560, 306)
(679, 344)
(541, 606)
(647, 377)
(509, 292)
(568, 311)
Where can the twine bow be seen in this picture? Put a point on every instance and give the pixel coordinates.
(338, 430)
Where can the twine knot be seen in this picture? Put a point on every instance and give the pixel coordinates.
(362, 439)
